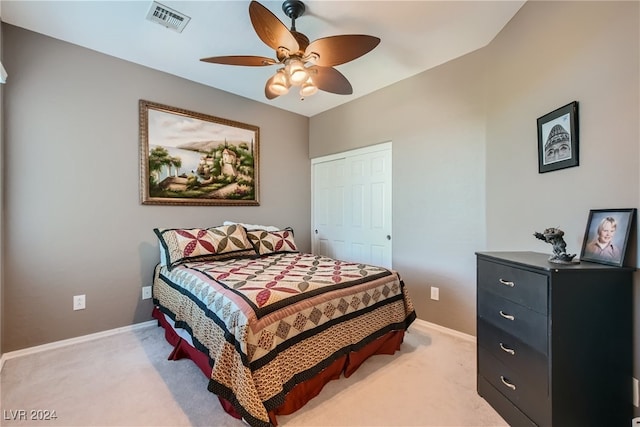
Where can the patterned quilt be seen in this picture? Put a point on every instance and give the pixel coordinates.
(270, 323)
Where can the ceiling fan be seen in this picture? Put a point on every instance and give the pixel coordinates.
(307, 65)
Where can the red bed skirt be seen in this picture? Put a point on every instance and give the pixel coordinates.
(301, 393)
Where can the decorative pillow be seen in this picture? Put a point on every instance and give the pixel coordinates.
(272, 242)
(253, 226)
(180, 245)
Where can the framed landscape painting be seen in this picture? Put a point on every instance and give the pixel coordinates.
(189, 158)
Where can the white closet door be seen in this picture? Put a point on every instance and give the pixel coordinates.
(329, 199)
(352, 205)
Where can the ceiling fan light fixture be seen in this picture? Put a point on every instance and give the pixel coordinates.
(297, 72)
(308, 88)
(279, 83)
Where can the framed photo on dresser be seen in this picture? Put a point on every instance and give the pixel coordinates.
(607, 235)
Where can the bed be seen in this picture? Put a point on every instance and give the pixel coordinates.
(269, 325)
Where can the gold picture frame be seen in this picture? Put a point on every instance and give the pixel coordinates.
(189, 158)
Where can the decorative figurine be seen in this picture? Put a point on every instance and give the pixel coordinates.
(554, 236)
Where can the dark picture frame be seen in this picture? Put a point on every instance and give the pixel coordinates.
(558, 139)
(596, 246)
(189, 158)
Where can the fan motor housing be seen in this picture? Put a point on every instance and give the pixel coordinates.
(293, 8)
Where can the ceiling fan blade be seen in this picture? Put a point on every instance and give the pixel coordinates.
(250, 61)
(270, 29)
(336, 50)
(330, 80)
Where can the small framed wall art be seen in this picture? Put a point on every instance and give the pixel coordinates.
(607, 235)
(558, 139)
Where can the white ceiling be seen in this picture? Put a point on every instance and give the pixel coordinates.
(416, 36)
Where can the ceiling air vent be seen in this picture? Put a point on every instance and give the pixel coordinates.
(167, 17)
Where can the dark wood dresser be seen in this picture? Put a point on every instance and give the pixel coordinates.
(554, 340)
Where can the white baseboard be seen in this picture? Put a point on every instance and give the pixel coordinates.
(423, 326)
(70, 341)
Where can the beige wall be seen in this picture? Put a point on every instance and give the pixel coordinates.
(588, 52)
(437, 124)
(465, 172)
(73, 222)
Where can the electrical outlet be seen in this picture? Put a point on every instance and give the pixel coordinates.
(79, 302)
(146, 292)
(636, 393)
(435, 293)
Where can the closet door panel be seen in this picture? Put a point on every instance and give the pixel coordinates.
(352, 206)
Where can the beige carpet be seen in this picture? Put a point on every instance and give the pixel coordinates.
(125, 380)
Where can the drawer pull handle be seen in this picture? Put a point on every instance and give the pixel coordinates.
(506, 316)
(507, 349)
(507, 283)
(507, 383)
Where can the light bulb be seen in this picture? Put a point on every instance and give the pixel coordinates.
(279, 84)
(308, 88)
(297, 72)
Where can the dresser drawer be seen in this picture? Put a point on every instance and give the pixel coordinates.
(515, 354)
(506, 409)
(517, 285)
(516, 320)
(528, 396)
